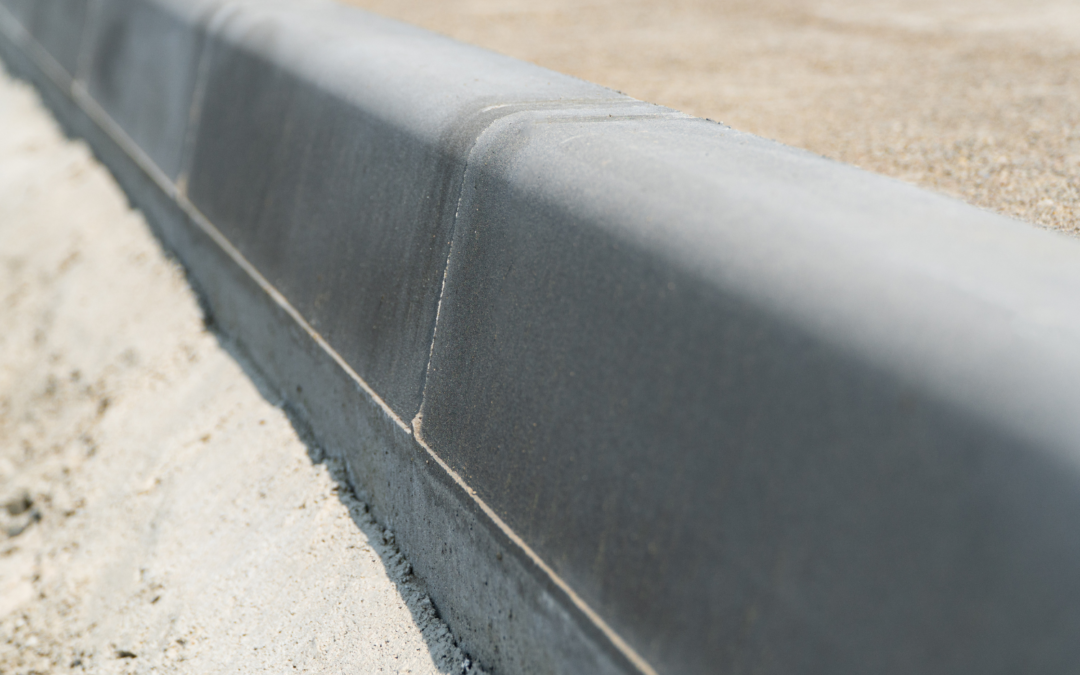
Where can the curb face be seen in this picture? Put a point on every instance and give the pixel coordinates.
(636, 392)
(311, 154)
(142, 62)
(630, 405)
(58, 26)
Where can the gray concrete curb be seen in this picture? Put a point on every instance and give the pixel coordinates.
(637, 392)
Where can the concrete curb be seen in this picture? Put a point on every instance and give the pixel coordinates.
(636, 392)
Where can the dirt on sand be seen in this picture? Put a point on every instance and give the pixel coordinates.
(975, 98)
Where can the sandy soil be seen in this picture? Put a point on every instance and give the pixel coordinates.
(976, 98)
(158, 514)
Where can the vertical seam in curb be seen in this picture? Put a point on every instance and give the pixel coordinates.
(101, 118)
(198, 95)
(89, 28)
(592, 615)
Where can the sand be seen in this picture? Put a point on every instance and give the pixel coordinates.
(159, 513)
(979, 99)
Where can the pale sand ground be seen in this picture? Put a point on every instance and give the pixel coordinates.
(975, 98)
(170, 511)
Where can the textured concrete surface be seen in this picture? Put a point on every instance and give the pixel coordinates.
(160, 515)
(502, 607)
(57, 25)
(720, 385)
(336, 141)
(695, 398)
(980, 100)
(140, 65)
